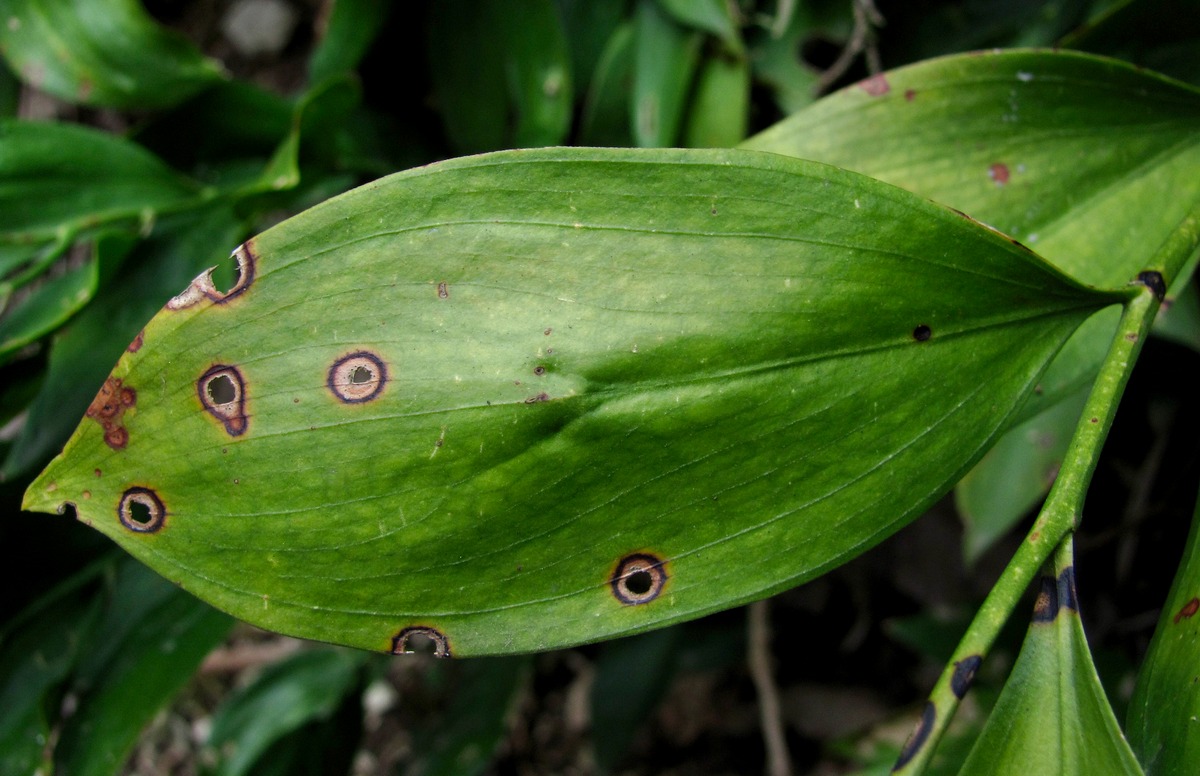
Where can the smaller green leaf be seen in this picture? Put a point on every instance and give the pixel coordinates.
(1133, 30)
(606, 119)
(307, 686)
(589, 26)
(1166, 700)
(145, 647)
(47, 308)
(501, 73)
(720, 108)
(101, 52)
(1053, 716)
(35, 659)
(1014, 475)
(1180, 321)
(665, 61)
(350, 28)
(632, 675)
(711, 16)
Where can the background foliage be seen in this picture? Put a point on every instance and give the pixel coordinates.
(174, 138)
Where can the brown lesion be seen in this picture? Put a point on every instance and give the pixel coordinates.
(136, 345)
(108, 409)
(222, 391)
(638, 578)
(141, 510)
(203, 288)
(415, 637)
(357, 377)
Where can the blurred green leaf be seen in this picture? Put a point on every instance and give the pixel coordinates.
(553, 422)
(1052, 716)
(501, 73)
(42, 165)
(37, 652)
(310, 685)
(10, 92)
(47, 307)
(606, 119)
(463, 740)
(1162, 35)
(83, 353)
(1180, 321)
(144, 648)
(350, 29)
(631, 677)
(589, 26)
(101, 52)
(712, 16)
(1162, 715)
(775, 56)
(665, 59)
(1014, 475)
(719, 111)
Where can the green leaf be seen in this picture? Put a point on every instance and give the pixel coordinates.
(1052, 716)
(307, 686)
(711, 16)
(1134, 30)
(42, 165)
(589, 26)
(665, 59)
(1166, 700)
(47, 307)
(101, 52)
(720, 109)
(544, 397)
(37, 653)
(501, 73)
(350, 28)
(606, 118)
(82, 353)
(142, 651)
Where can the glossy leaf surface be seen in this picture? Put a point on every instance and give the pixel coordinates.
(101, 52)
(544, 397)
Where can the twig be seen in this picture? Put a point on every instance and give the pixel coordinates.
(779, 762)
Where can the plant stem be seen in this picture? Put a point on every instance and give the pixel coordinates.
(1059, 516)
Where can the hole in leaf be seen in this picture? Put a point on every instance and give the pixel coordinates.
(420, 639)
(638, 578)
(357, 377)
(141, 510)
(222, 392)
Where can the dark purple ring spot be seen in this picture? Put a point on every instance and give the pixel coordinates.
(357, 377)
(141, 510)
(638, 578)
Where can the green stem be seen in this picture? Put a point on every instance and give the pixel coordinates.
(1058, 517)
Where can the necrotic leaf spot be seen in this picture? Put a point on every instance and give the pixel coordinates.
(222, 392)
(638, 578)
(922, 333)
(420, 638)
(358, 377)
(141, 510)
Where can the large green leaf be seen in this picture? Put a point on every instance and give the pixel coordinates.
(1089, 161)
(101, 52)
(1053, 716)
(1166, 701)
(543, 397)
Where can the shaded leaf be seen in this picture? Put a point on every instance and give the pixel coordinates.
(1161, 721)
(665, 59)
(350, 28)
(712, 16)
(101, 52)
(1053, 716)
(1162, 35)
(616, 376)
(144, 648)
(720, 108)
(589, 26)
(607, 118)
(501, 73)
(307, 686)
(631, 676)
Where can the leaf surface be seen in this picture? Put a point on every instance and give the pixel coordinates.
(544, 397)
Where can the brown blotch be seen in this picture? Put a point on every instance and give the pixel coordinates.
(443, 290)
(1155, 282)
(401, 645)
(548, 332)
(136, 345)
(141, 510)
(539, 398)
(638, 578)
(876, 86)
(539, 370)
(1189, 609)
(910, 94)
(922, 333)
(202, 287)
(999, 173)
(1045, 606)
(222, 391)
(108, 409)
(919, 735)
(357, 377)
